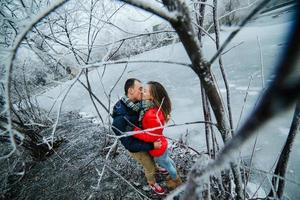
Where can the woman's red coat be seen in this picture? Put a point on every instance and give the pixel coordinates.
(153, 119)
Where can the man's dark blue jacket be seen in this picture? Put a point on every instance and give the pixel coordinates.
(122, 119)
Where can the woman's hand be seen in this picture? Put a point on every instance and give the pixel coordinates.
(157, 144)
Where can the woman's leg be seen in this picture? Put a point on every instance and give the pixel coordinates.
(166, 162)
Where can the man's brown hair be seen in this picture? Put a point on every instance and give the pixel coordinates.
(129, 83)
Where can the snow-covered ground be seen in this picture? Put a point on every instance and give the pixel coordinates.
(184, 88)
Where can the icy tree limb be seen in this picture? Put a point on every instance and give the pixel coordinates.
(136, 36)
(261, 63)
(217, 34)
(105, 163)
(109, 106)
(91, 96)
(247, 177)
(59, 111)
(233, 11)
(130, 133)
(9, 68)
(155, 9)
(205, 101)
(90, 48)
(207, 117)
(242, 24)
(99, 64)
(76, 55)
(234, 46)
(283, 160)
(200, 19)
(204, 31)
(119, 175)
(96, 98)
(282, 92)
(244, 102)
(204, 3)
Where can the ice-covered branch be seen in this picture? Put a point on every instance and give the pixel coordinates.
(13, 51)
(204, 31)
(59, 111)
(282, 92)
(105, 162)
(130, 133)
(119, 175)
(154, 8)
(282, 163)
(241, 25)
(261, 63)
(203, 3)
(136, 36)
(234, 46)
(99, 64)
(233, 11)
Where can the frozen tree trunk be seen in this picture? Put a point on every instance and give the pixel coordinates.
(200, 66)
(206, 114)
(235, 168)
(217, 33)
(203, 69)
(283, 160)
(200, 20)
(205, 104)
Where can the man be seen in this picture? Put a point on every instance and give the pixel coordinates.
(125, 117)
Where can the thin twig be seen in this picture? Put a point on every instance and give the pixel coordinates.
(155, 9)
(59, 111)
(232, 48)
(245, 100)
(261, 62)
(116, 173)
(233, 11)
(204, 31)
(99, 64)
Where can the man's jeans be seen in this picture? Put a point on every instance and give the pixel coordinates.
(166, 162)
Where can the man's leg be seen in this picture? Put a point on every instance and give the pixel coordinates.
(148, 164)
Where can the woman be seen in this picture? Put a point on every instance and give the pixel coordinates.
(156, 109)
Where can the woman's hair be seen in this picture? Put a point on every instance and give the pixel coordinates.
(160, 98)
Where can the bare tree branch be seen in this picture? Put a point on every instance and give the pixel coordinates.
(233, 11)
(155, 9)
(242, 24)
(283, 160)
(12, 56)
(98, 64)
(279, 96)
(234, 46)
(136, 36)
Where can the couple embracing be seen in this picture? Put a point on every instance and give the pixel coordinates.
(146, 109)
